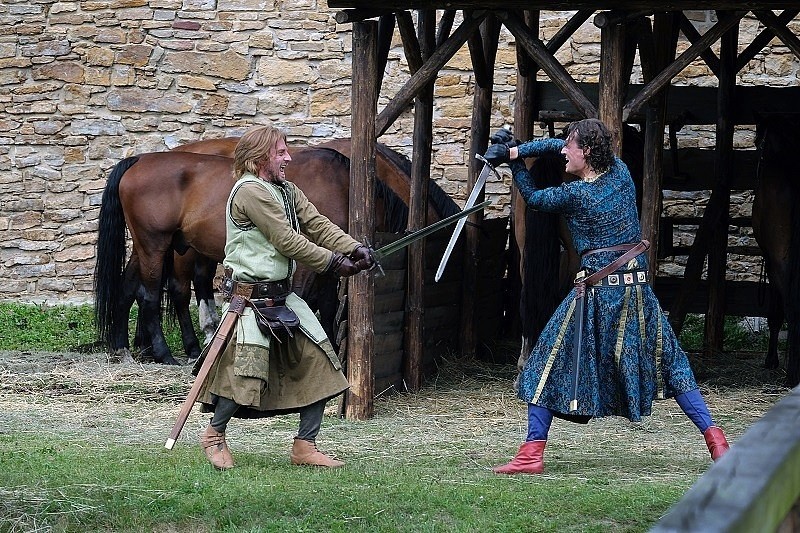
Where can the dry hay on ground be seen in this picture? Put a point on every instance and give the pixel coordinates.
(467, 411)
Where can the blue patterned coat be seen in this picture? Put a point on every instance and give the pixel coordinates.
(630, 355)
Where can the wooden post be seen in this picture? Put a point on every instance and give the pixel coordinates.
(479, 140)
(664, 41)
(612, 61)
(418, 204)
(717, 253)
(364, 97)
(525, 113)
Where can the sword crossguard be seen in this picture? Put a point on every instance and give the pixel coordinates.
(375, 263)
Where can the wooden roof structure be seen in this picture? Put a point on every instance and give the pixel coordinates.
(651, 27)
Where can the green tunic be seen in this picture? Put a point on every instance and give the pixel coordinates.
(269, 228)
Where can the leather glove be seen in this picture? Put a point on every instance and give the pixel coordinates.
(342, 265)
(363, 259)
(504, 136)
(497, 154)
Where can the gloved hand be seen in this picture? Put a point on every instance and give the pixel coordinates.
(504, 136)
(363, 259)
(342, 265)
(497, 154)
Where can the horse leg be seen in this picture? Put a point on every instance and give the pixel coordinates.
(149, 298)
(204, 271)
(130, 281)
(180, 293)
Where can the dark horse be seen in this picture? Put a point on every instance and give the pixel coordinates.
(174, 203)
(776, 219)
(548, 261)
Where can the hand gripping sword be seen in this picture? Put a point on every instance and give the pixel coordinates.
(221, 338)
(399, 244)
(473, 197)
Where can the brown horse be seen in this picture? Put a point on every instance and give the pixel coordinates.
(776, 217)
(188, 192)
(548, 261)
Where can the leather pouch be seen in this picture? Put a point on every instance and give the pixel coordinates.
(275, 320)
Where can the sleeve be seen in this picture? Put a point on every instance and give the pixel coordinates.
(255, 204)
(540, 147)
(319, 228)
(551, 199)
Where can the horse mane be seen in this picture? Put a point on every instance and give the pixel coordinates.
(442, 203)
(395, 209)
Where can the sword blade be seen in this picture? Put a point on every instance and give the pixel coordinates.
(401, 243)
(473, 197)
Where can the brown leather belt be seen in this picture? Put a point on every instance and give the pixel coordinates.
(271, 292)
(617, 248)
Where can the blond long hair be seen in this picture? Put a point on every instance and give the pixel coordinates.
(256, 145)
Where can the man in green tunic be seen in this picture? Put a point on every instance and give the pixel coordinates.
(271, 226)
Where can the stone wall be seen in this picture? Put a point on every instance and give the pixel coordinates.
(86, 83)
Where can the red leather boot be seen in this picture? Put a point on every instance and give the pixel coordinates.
(528, 460)
(716, 442)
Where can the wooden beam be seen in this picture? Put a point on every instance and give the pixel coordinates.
(718, 250)
(410, 43)
(567, 5)
(361, 295)
(789, 39)
(661, 42)
(445, 26)
(567, 30)
(359, 15)
(550, 65)
(479, 139)
(693, 35)
(762, 39)
(689, 55)
(612, 18)
(525, 114)
(479, 68)
(417, 209)
(385, 34)
(612, 79)
(426, 73)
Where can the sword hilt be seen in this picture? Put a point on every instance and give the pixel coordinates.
(375, 263)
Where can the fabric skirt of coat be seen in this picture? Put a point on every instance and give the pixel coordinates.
(630, 356)
(299, 374)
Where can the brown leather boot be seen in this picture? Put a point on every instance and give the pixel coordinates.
(306, 453)
(529, 460)
(216, 449)
(716, 442)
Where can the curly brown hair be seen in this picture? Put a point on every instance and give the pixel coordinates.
(591, 133)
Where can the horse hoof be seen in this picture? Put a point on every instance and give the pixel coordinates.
(169, 360)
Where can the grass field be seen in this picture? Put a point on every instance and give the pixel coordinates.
(81, 449)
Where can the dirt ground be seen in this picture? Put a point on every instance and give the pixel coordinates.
(87, 397)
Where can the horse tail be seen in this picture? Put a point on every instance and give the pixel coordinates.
(110, 255)
(541, 257)
(792, 300)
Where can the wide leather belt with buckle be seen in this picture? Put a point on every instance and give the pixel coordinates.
(273, 290)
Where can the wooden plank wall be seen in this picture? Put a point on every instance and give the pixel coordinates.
(442, 301)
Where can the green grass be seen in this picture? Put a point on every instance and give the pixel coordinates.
(76, 486)
(736, 337)
(66, 328)
(81, 449)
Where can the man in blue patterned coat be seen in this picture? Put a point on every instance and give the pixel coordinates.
(628, 354)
